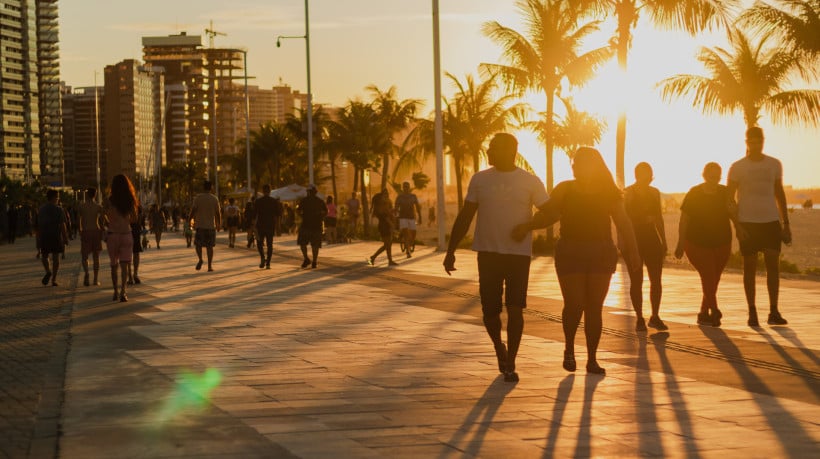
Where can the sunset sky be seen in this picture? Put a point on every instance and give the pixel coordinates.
(355, 43)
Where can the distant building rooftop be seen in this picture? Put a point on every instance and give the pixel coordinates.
(183, 39)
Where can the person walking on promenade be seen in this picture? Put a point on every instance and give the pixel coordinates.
(92, 220)
(503, 259)
(757, 182)
(353, 212)
(207, 221)
(705, 235)
(249, 216)
(408, 207)
(139, 245)
(313, 211)
(232, 217)
(268, 210)
(331, 220)
(643, 205)
(121, 210)
(585, 255)
(12, 217)
(382, 209)
(52, 232)
(157, 219)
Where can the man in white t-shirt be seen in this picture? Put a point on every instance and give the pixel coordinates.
(757, 179)
(503, 196)
(207, 220)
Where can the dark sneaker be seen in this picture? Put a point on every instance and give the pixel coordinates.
(46, 278)
(392, 263)
(137, 280)
(753, 322)
(261, 264)
(510, 376)
(716, 316)
(656, 323)
(85, 280)
(640, 324)
(305, 263)
(501, 356)
(704, 318)
(776, 319)
(199, 265)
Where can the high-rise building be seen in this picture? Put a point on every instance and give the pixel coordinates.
(83, 128)
(273, 105)
(187, 120)
(134, 106)
(30, 129)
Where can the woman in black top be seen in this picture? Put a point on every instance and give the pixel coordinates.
(643, 205)
(705, 235)
(585, 254)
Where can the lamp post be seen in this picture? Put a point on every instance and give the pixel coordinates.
(247, 119)
(306, 36)
(97, 133)
(439, 142)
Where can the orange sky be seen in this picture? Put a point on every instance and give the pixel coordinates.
(355, 43)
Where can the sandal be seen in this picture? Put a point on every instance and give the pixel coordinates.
(569, 361)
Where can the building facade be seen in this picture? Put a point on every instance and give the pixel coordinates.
(183, 59)
(134, 109)
(83, 132)
(30, 105)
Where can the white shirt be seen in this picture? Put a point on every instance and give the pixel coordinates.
(755, 188)
(505, 199)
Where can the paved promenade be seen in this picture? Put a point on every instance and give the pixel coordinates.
(354, 361)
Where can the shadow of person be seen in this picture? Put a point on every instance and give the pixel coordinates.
(583, 445)
(479, 417)
(791, 335)
(789, 430)
(558, 409)
(677, 401)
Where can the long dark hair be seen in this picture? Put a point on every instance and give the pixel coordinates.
(123, 197)
(590, 161)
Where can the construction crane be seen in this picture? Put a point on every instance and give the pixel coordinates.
(213, 33)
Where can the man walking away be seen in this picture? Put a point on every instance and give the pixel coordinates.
(207, 221)
(268, 210)
(313, 211)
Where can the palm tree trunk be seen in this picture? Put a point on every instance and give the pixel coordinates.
(385, 169)
(333, 179)
(459, 174)
(626, 17)
(550, 149)
(365, 207)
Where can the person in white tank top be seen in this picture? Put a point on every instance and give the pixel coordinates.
(761, 220)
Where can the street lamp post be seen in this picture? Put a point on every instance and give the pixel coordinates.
(306, 36)
(247, 120)
(439, 138)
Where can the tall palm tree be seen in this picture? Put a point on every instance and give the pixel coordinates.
(395, 116)
(692, 16)
(297, 125)
(797, 23)
(275, 154)
(547, 56)
(750, 78)
(575, 129)
(361, 137)
(470, 117)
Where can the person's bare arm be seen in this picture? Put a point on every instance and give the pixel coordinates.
(780, 198)
(660, 226)
(460, 228)
(626, 237)
(733, 213)
(683, 227)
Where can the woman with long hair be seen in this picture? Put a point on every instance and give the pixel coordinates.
(121, 210)
(585, 254)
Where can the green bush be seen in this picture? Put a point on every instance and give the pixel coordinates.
(736, 262)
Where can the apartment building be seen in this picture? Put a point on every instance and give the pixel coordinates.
(134, 108)
(83, 131)
(30, 118)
